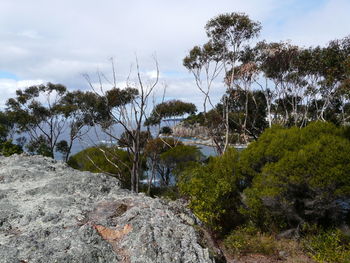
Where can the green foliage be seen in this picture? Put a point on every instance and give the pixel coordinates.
(328, 246)
(247, 111)
(167, 157)
(247, 239)
(7, 148)
(179, 156)
(62, 147)
(40, 146)
(170, 109)
(195, 119)
(232, 28)
(212, 190)
(94, 160)
(45, 120)
(118, 97)
(275, 142)
(296, 176)
(127, 139)
(6, 124)
(166, 130)
(157, 146)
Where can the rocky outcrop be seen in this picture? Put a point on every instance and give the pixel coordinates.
(52, 213)
(195, 130)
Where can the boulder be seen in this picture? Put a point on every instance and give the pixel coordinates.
(52, 213)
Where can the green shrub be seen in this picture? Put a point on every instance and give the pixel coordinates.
(213, 191)
(328, 246)
(93, 159)
(166, 130)
(167, 157)
(179, 157)
(39, 146)
(7, 148)
(277, 141)
(297, 176)
(247, 239)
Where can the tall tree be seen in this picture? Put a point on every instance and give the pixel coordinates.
(125, 108)
(78, 120)
(228, 34)
(37, 111)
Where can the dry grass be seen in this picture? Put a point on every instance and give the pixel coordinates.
(246, 246)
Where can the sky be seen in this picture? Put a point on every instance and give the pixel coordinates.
(59, 41)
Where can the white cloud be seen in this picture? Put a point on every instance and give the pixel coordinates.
(29, 34)
(59, 40)
(153, 74)
(316, 26)
(8, 88)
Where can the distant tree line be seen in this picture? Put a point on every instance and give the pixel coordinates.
(268, 83)
(48, 119)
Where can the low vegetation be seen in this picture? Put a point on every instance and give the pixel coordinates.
(285, 182)
(109, 160)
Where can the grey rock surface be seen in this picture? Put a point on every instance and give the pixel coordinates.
(52, 213)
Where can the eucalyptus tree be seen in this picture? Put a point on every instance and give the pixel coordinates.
(171, 110)
(325, 72)
(227, 34)
(7, 147)
(153, 150)
(37, 112)
(46, 114)
(78, 119)
(335, 73)
(279, 65)
(309, 64)
(243, 103)
(232, 32)
(247, 114)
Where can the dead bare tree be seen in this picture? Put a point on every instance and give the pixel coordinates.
(126, 109)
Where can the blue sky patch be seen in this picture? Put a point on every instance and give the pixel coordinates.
(291, 9)
(7, 75)
(174, 74)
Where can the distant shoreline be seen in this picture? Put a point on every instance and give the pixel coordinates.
(198, 141)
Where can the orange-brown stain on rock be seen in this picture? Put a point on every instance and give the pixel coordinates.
(113, 234)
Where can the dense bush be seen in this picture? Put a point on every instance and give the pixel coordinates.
(7, 148)
(166, 130)
(248, 239)
(166, 157)
(296, 176)
(213, 191)
(275, 142)
(39, 146)
(178, 157)
(288, 177)
(93, 159)
(328, 246)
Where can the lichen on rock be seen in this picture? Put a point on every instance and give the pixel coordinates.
(52, 213)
